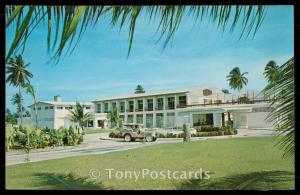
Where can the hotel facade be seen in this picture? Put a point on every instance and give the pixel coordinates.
(200, 106)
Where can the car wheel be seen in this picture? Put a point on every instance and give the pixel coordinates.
(127, 138)
(149, 138)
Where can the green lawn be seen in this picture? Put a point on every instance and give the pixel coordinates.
(237, 163)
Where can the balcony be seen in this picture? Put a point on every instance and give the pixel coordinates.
(181, 106)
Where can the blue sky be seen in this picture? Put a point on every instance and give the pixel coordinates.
(199, 55)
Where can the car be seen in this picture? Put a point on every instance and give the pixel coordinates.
(133, 131)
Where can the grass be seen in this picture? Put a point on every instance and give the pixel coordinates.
(236, 163)
(94, 130)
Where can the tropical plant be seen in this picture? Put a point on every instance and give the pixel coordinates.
(78, 116)
(30, 90)
(11, 117)
(282, 114)
(139, 89)
(271, 72)
(68, 23)
(18, 76)
(17, 101)
(113, 117)
(226, 91)
(272, 75)
(237, 79)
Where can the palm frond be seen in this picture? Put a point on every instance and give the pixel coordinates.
(65, 20)
(283, 103)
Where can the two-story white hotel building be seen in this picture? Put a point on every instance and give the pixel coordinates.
(172, 108)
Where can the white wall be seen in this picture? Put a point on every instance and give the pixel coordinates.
(25, 121)
(257, 120)
(45, 117)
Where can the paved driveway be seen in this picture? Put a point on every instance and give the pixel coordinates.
(99, 143)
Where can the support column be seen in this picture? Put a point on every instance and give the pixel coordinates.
(165, 119)
(165, 106)
(154, 119)
(144, 119)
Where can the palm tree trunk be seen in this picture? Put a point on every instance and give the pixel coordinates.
(35, 109)
(21, 107)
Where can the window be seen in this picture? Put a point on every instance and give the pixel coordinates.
(160, 103)
(88, 107)
(207, 92)
(46, 108)
(131, 106)
(140, 105)
(149, 120)
(98, 108)
(202, 119)
(114, 105)
(122, 106)
(171, 102)
(150, 104)
(33, 108)
(106, 107)
(90, 123)
(68, 107)
(39, 108)
(139, 118)
(182, 100)
(60, 107)
(159, 120)
(51, 107)
(130, 118)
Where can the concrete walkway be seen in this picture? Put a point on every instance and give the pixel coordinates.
(100, 143)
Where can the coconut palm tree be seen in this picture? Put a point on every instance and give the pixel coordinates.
(18, 76)
(236, 79)
(113, 117)
(16, 100)
(271, 72)
(283, 105)
(78, 116)
(67, 21)
(30, 90)
(272, 75)
(139, 89)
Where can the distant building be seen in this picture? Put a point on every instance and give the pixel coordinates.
(55, 114)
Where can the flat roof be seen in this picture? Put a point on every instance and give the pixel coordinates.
(154, 93)
(63, 103)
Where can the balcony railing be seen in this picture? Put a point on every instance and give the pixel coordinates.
(232, 102)
(181, 106)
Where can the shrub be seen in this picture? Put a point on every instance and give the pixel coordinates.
(56, 137)
(221, 133)
(9, 137)
(117, 134)
(20, 137)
